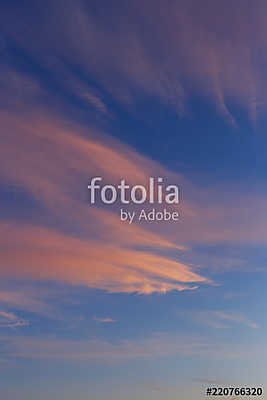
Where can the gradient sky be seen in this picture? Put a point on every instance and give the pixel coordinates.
(93, 308)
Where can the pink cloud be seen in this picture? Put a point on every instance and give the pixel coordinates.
(10, 320)
(104, 252)
(220, 51)
(42, 253)
(104, 320)
(110, 255)
(7, 315)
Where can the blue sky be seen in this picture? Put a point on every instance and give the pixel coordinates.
(92, 307)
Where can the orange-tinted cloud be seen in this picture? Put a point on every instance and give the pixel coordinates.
(91, 246)
(41, 253)
(28, 299)
(104, 252)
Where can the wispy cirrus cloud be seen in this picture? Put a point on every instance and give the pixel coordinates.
(72, 242)
(233, 317)
(103, 253)
(47, 254)
(27, 299)
(67, 240)
(219, 319)
(156, 346)
(170, 52)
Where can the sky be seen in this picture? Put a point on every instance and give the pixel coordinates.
(96, 308)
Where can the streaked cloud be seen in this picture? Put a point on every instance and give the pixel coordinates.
(219, 319)
(72, 242)
(28, 299)
(7, 315)
(109, 352)
(233, 317)
(103, 252)
(219, 51)
(47, 254)
(104, 320)
(74, 77)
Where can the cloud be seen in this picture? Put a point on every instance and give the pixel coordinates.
(158, 345)
(236, 318)
(170, 53)
(10, 320)
(9, 316)
(104, 320)
(70, 241)
(46, 254)
(210, 381)
(28, 299)
(95, 101)
(18, 87)
(219, 319)
(101, 251)
(98, 350)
